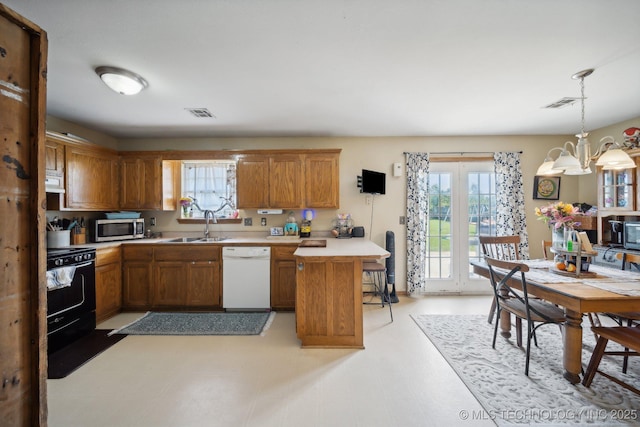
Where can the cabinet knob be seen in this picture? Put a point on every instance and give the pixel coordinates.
(300, 266)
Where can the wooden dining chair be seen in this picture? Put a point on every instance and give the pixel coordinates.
(499, 247)
(629, 318)
(534, 311)
(546, 252)
(628, 337)
(633, 316)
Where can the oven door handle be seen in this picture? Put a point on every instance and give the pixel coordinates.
(84, 264)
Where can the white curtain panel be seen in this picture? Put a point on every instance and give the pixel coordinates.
(417, 169)
(511, 218)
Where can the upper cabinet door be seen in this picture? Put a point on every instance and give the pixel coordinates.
(54, 165)
(286, 181)
(142, 183)
(322, 186)
(616, 190)
(131, 172)
(252, 182)
(92, 179)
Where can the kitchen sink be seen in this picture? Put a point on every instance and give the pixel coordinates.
(196, 240)
(213, 239)
(184, 240)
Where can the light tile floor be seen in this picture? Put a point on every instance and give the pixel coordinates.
(400, 379)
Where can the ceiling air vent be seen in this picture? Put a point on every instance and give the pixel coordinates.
(200, 112)
(562, 102)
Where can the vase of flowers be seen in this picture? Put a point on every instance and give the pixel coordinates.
(560, 217)
(185, 202)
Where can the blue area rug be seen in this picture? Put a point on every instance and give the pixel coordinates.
(154, 323)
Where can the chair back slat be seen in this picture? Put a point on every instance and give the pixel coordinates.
(546, 252)
(500, 247)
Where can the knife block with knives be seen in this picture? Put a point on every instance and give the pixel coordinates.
(78, 236)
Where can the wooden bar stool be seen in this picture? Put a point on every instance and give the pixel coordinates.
(378, 274)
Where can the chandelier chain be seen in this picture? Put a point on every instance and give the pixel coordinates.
(582, 103)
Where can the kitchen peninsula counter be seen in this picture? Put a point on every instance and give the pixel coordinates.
(329, 292)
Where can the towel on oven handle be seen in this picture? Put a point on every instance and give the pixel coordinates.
(60, 277)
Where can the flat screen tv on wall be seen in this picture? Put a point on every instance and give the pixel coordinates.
(373, 182)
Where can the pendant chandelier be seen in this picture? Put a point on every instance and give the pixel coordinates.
(575, 159)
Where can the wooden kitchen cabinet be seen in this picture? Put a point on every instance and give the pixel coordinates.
(616, 190)
(148, 183)
(618, 197)
(54, 164)
(283, 277)
(329, 302)
(322, 186)
(108, 283)
(205, 285)
(286, 181)
(137, 276)
(169, 287)
(92, 178)
(289, 180)
(185, 277)
(84, 175)
(252, 182)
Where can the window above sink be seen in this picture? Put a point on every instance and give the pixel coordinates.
(208, 185)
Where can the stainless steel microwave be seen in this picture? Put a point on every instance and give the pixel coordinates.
(108, 230)
(632, 235)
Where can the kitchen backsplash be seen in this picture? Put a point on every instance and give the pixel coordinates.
(167, 221)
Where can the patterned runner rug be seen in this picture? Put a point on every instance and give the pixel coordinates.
(153, 323)
(496, 377)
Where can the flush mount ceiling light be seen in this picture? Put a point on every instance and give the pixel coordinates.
(576, 159)
(120, 80)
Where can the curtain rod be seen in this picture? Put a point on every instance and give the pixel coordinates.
(467, 152)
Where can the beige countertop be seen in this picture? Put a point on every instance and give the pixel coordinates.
(358, 247)
(355, 247)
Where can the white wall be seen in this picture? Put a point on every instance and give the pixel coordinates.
(379, 154)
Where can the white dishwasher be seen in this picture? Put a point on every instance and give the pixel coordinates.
(246, 278)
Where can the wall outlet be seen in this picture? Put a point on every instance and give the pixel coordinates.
(248, 222)
(403, 220)
(367, 199)
(152, 221)
(263, 222)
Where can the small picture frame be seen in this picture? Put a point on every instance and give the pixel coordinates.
(546, 187)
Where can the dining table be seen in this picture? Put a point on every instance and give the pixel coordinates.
(600, 290)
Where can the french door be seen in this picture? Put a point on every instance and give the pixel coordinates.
(462, 205)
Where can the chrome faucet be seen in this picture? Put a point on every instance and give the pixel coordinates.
(208, 214)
